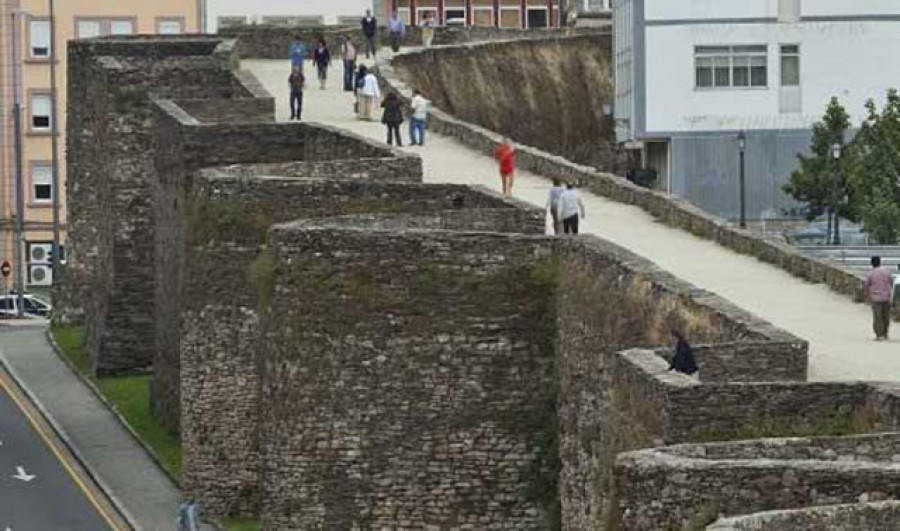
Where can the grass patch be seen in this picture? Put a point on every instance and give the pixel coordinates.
(241, 524)
(71, 341)
(131, 397)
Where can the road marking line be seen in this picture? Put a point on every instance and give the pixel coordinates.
(6, 384)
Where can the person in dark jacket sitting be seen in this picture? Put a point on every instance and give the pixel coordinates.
(683, 361)
(392, 117)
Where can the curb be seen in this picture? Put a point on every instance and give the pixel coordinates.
(112, 409)
(61, 434)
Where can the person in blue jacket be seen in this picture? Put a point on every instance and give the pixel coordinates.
(297, 53)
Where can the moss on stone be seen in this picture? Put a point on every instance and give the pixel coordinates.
(232, 220)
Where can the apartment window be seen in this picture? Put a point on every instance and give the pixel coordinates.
(39, 106)
(169, 26)
(730, 66)
(510, 14)
(39, 39)
(41, 183)
(85, 29)
(454, 11)
(790, 65)
(788, 11)
(121, 27)
(482, 13)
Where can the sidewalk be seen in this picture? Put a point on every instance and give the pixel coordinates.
(147, 496)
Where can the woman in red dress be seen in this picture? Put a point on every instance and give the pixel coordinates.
(506, 156)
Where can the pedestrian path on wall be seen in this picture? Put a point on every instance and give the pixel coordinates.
(839, 331)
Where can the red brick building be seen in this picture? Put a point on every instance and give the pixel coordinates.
(496, 13)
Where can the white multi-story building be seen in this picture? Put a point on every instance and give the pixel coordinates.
(693, 74)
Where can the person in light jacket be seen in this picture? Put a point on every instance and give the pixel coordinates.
(428, 29)
(396, 31)
(368, 96)
(417, 119)
(568, 208)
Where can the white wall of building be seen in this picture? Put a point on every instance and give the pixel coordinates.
(330, 10)
(853, 60)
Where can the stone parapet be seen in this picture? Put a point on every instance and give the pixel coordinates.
(647, 406)
(261, 41)
(668, 488)
(875, 516)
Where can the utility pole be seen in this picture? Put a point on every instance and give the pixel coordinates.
(20, 193)
(54, 140)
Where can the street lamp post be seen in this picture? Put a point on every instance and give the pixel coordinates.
(54, 140)
(836, 155)
(742, 147)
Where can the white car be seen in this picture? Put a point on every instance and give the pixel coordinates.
(33, 306)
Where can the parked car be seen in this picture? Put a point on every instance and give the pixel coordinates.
(33, 306)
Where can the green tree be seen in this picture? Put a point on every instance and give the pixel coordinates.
(875, 174)
(821, 182)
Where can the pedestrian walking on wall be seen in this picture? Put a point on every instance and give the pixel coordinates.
(552, 206)
(428, 29)
(419, 106)
(879, 290)
(683, 361)
(396, 32)
(349, 56)
(568, 208)
(392, 117)
(322, 60)
(368, 96)
(894, 297)
(506, 157)
(296, 82)
(297, 53)
(369, 28)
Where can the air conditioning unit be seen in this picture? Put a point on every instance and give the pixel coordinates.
(39, 253)
(40, 275)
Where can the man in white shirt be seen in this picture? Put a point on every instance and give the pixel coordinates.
(368, 94)
(568, 209)
(553, 196)
(417, 121)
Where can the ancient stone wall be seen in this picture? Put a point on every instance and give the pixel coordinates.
(260, 41)
(608, 298)
(110, 128)
(548, 93)
(646, 406)
(880, 516)
(214, 365)
(184, 146)
(667, 488)
(131, 84)
(244, 110)
(410, 378)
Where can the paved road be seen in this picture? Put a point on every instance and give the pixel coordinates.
(40, 486)
(839, 331)
(121, 464)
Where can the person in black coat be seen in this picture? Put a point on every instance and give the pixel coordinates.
(683, 361)
(392, 117)
(322, 59)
